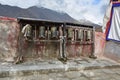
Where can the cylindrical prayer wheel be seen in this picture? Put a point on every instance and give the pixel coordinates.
(70, 33)
(89, 35)
(80, 35)
(27, 31)
(54, 32)
(42, 32)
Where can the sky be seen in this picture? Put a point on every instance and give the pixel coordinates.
(92, 10)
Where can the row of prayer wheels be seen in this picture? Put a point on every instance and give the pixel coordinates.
(55, 33)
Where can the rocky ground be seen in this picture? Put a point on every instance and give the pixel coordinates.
(74, 69)
(98, 74)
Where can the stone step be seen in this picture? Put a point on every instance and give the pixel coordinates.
(35, 68)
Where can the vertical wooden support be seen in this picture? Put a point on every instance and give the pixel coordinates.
(19, 40)
(48, 32)
(61, 41)
(35, 32)
(19, 57)
(93, 45)
(75, 34)
(63, 56)
(64, 41)
(84, 36)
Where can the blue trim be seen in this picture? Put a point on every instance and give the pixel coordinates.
(114, 5)
(113, 40)
(110, 23)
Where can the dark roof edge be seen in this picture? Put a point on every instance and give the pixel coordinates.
(50, 21)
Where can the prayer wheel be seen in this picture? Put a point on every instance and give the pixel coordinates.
(42, 32)
(88, 35)
(70, 33)
(54, 32)
(80, 35)
(27, 31)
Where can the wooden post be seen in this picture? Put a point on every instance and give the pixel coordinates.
(64, 42)
(93, 45)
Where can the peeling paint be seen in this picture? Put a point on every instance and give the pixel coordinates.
(12, 46)
(99, 44)
(8, 38)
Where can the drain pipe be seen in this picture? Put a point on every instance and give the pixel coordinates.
(62, 55)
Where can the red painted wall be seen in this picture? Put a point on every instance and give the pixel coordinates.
(99, 44)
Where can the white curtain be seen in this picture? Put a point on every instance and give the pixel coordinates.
(114, 32)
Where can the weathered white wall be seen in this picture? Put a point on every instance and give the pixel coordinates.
(112, 50)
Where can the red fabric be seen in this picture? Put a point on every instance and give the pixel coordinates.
(108, 23)
(7, 18)
(107, 27)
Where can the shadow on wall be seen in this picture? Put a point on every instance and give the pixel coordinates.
(112, 50)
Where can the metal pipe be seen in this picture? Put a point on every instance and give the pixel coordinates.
(63, 56)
